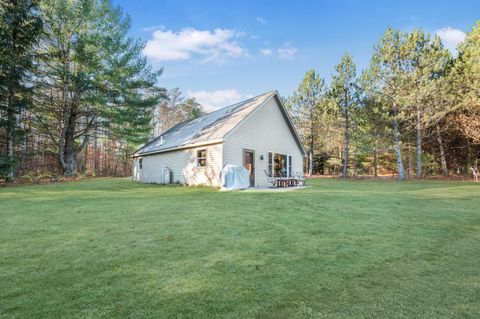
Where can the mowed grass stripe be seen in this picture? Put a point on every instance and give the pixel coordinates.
(338, 249)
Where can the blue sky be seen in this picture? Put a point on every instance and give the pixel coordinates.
(224, 51)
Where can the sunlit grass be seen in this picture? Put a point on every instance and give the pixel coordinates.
(359, 249)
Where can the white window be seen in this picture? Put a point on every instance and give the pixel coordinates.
(270, 162)
(279, 164)
(289, 166)
(201, 158)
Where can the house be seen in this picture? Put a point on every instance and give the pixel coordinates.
(256, 133)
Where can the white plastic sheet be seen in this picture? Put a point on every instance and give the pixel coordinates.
(234, 177)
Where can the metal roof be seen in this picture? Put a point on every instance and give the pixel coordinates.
(207, 128)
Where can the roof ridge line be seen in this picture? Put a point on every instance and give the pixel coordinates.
(215, 115)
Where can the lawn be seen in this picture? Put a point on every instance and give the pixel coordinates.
(339, 249)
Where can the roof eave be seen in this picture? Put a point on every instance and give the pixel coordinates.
(180, 147)
(251, 113)
(276, 96)
(290, 123)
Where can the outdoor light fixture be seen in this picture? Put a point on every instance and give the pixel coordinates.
(261, 157)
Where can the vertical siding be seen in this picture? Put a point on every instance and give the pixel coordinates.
(182, 163)
(266, 130)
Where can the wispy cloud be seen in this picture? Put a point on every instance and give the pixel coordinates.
(266, 52)
(261, 20)
(153, 28)
(287, 52)
(190, 43)
(450, 37)
(213, 100)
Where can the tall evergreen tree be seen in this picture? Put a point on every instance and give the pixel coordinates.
(466, 79)
(306, 102)
(438, 100)
(94, 77)
(387, 69)
(375, 120)
(344, 92)
(426, 61)
(20, 27)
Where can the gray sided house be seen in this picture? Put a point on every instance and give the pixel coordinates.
(257, 134)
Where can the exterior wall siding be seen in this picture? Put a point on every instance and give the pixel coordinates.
(183, 165)
(266, 130)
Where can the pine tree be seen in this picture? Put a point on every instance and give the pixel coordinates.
(387, 69)
(375, 120)
(466, 80)
(426, 61)
(306, 103)
(344, 92)
(94, 77)
(20, 26)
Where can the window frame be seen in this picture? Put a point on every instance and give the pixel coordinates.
(270, 162)
(289, 165)
(200, 158)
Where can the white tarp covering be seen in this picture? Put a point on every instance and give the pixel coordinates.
(166, 175)
(234, 177)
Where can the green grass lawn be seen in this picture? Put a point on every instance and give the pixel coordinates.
(339, 249)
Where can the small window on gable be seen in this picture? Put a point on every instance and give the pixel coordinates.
(201, 158)
(140, 163)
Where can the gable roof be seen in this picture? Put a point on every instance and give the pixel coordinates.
(212, 127)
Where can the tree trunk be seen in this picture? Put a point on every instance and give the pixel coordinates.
(375, 161)
(70, 168)
(354, 164)
(105, 160)
(11, 120)
(347, 141)
(65, 116)
(95, 152)
(442, 151)
(418, 165)
(115, 167)
(312, 144)
(469, 159)
(70, 164)
(310, 157)
(10, 137)
(85, 160)
(408, 169)
(398, 151)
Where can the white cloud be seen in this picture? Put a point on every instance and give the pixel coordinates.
(287, 52)
(266, 52)
(450, 37)
(153, 28)
(213, 100)
(261, 20)
(188, 43)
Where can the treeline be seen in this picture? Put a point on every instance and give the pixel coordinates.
(172, 109)
(76, 93)
(414, 112)
(77, 97)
